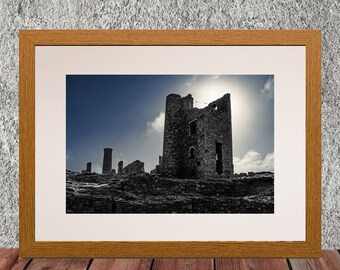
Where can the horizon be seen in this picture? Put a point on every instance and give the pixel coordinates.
(102, 110)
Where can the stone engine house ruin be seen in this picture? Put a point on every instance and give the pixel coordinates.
(197, 142)
(135, 167)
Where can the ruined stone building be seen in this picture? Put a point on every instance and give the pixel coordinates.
(120, 167)
(107, 161)
(135, 167)
(197, 142)
(89, 166)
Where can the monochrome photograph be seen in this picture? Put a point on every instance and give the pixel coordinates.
(181, 144)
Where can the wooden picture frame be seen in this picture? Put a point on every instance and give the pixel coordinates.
(29, 39)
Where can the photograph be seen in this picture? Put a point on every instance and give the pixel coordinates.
(175, 131)
(170, 144)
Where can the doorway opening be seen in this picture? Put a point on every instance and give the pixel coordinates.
(219, 164)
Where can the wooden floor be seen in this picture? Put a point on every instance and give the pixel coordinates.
(9, 259)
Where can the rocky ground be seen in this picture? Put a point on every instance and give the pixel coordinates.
(96, 193)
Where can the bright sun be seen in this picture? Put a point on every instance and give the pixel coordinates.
(204, 93)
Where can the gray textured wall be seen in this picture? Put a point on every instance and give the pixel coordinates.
(169, 14)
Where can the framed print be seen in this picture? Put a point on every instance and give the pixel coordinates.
(170, 143)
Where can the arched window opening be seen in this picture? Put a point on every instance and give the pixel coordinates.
(192, 152)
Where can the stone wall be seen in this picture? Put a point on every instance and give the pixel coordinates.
(135, 167)
(191, 136)
(171, 134)
(91, 193)
(218, 130)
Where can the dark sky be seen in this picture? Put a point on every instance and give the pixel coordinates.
(126, 113)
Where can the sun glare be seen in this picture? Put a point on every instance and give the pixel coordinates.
(206, 92)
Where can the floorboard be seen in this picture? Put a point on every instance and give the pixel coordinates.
(330, 260)
(21, 263)
(57, 264)
(183, 264)
(121, 264)
(251, 264)
(8, 257)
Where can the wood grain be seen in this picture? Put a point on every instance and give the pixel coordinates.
(254, 264)
(313, 145)
(330, 260)
(168, 37)
(26, 144)
(183, 264)
(305, 264)
(8, 257)
(29, 247)
(65, 264)
(121, 264)
(21, 264)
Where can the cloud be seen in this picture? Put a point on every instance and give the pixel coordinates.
(268, 89)
(197, 79)
(253, 162)
(157, 125)
(96, 168)
(191, 80)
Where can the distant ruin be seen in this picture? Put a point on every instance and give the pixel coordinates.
(197, 142)
(120, 167)
(135, 167)
(107, 161)
(89, 167)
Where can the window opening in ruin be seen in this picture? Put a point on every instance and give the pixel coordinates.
(219, 165)
(192, 152)
(214, 107)
(193, 127)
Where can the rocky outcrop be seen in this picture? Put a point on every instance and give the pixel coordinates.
(95, 193)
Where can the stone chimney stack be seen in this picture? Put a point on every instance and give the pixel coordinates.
(120, 167)
(88, 166)
(107, 161)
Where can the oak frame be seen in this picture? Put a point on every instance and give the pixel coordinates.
(311, 39)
